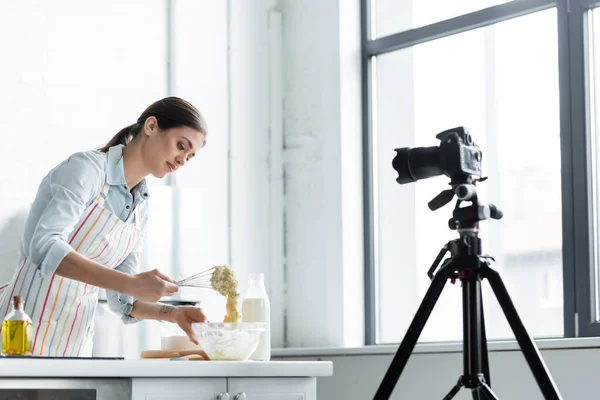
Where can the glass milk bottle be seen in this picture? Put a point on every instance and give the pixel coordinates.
(257, 308)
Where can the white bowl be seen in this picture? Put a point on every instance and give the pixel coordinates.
(229, 341)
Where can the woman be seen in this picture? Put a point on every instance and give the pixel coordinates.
(84, 232)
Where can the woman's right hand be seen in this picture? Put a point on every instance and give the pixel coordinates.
(152, 286)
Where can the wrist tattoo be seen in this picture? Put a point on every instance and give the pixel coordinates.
(164, 309)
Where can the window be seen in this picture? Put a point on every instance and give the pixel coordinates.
(594, 124)
(489, 81)
(79, 72)
(522, 76)
(548, 293)
(69, 80)
(393, 16)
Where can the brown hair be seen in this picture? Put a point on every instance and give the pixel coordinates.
(170, 112)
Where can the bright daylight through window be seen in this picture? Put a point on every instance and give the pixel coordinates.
(490, 81)
(410, 14)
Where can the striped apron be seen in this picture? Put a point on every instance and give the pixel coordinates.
(62, 310)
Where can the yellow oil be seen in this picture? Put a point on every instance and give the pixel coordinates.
(16, 338)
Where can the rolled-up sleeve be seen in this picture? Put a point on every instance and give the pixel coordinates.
(121, 304)
(70, 186)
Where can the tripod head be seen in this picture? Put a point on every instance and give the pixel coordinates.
(465, 218)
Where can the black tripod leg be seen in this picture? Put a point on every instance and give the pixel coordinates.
(487, 393)
(455, 389)
(477, 395)
(485, 364)
(412, 334)
(484, 392)
(528, 347)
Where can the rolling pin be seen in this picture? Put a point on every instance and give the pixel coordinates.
(174, 354)
(160, 354)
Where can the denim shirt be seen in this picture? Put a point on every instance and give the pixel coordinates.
(63, 196)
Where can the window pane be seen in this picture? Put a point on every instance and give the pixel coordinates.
(72, 75)
(489, 81)
(393, 16)
(78, 73)
(594, 73)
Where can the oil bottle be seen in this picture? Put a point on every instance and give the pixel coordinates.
(17, 331)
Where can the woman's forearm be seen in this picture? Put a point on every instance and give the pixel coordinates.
(148, 286)
(77, 267)
(157, 311)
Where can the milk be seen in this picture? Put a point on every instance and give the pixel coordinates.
(257, 308)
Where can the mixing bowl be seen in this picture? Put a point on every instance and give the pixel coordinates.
(229, 341)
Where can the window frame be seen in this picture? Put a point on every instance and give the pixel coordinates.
(575, 40)
(576, 188)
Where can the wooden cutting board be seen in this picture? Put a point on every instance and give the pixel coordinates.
(196, 355)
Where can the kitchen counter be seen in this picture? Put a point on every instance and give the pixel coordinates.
(131, 368)
(137, 379)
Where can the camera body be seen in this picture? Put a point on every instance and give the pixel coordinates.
(457, 157)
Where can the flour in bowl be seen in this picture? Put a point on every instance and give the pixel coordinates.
(228, 345)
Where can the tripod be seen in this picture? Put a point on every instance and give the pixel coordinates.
(468, 265)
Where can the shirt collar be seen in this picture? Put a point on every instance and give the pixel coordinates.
(115, 174)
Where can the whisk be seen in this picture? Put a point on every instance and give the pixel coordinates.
(199, 280)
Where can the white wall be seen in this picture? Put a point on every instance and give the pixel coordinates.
(256, 192)
(432, 375)
(295, 160)
(323, 181)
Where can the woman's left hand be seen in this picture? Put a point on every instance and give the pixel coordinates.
(185, 316)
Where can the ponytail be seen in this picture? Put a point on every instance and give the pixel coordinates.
(169, 112)
(123, 137)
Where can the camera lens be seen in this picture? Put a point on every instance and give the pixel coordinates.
(418, 163)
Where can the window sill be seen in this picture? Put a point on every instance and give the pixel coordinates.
(450, 347)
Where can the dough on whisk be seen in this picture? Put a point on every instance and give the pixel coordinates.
(223, 280)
